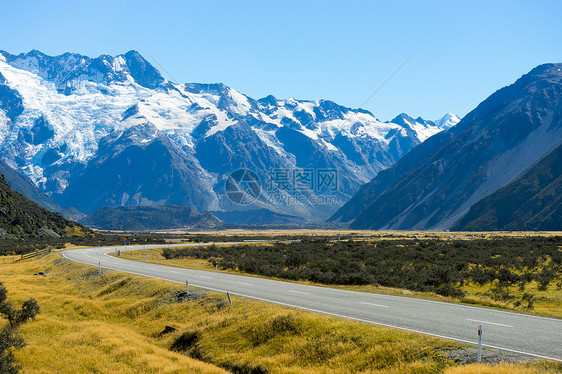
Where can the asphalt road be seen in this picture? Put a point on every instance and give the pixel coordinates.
(513, 332)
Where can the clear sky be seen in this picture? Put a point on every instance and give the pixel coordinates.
(337, 50)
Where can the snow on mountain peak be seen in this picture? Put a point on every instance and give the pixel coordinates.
(447, 121)
(83, 100)
(69, 70)
(422, 128)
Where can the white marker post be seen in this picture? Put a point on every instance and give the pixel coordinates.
(99, 269)
(187, 287)
(479, 343)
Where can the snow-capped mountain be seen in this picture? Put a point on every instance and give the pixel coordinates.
(447, 121)
(424, 129)
(111, 131)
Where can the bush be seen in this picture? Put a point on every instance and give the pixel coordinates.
(530, 299)
(450, 290)
(432, 265)
(9, 338)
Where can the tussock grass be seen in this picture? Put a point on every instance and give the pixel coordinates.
(79, 331)
(359, 233)
(112, 323)
(502, 368)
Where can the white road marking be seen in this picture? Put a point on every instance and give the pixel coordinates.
(373, 304)
(246, 284)
(203, 276)
(302, 293)
(175, 272)
(489, 323)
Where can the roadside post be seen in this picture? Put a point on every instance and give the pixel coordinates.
(229, 300)
(187, 287)
(99, 268)
(479, 343)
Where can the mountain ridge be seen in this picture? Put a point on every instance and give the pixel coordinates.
(487, 149)
(93, 101)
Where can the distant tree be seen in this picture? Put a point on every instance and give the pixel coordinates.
(9, 338)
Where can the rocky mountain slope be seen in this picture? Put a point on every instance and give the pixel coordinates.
(112, 131)
(437, 183)
(531, 202)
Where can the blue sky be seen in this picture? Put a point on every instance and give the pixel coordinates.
(337, 50)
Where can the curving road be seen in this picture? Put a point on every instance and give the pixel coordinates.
(515, 332)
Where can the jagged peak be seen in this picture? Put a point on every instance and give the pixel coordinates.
(402, 117)
(68, 67)
(447, 121)
(135, 53)
(269, 99)
(36, 53)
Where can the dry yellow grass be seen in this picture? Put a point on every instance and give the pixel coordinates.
(361, 233)
(502, 368)
(75, 231)
(9, 259)
(75, 333)
(111, 324)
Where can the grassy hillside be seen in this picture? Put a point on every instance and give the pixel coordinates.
(150, 218)
(257, 217)
(114, 322)
(24, 186)
(23, 218)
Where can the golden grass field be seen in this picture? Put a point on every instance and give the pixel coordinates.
(110, 323)
(362, 233)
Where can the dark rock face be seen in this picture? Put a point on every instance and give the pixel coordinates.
(10, 100)
(131, 171)
(234, 148)
(142, 71)
(39, 133)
